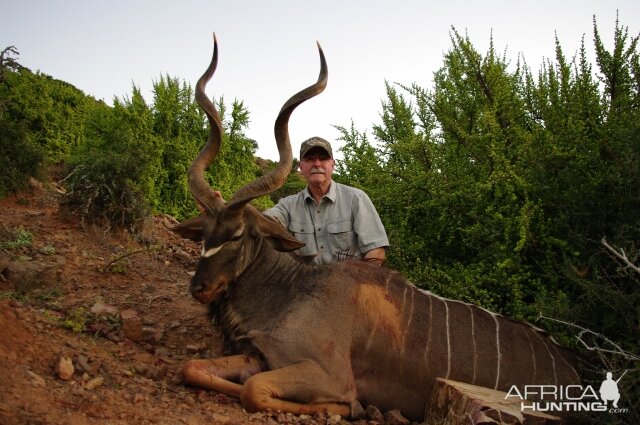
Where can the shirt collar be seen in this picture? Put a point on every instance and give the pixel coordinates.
(331, 195)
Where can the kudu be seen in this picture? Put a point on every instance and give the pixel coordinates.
(332, 338)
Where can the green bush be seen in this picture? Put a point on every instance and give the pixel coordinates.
(20, 158)
(110, 174)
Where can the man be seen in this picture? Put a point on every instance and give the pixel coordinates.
(609, 390)
(333, 220)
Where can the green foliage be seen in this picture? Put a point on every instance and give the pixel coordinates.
(75, 320)
(51, 110)
(294, 184)
(235, 165)
(20, 155)
(125, 162)
(496, 186)
(17, 238)
(112, 171)
(136, 157)
(41, 122)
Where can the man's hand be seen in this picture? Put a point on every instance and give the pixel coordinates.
(376, 256)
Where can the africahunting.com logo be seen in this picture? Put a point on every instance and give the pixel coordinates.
(569, 398)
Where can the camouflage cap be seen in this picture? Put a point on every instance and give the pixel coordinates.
(315, 142)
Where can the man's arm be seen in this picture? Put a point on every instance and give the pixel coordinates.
(279, 213)
(376, 256)
(372, 237)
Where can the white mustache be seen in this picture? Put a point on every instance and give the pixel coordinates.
(318, 170)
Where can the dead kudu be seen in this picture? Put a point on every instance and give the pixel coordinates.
(332, 338)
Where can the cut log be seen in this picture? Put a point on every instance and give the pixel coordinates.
(456, 403)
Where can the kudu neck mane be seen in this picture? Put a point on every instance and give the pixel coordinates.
(266, 290)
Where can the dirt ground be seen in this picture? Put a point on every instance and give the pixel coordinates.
(94, 327)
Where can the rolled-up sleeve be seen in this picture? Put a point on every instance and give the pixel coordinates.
(367, 224)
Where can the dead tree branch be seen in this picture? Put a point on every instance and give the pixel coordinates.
(127, 254)
(621, 255)
(616, 349)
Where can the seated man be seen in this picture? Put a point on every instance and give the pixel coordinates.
(335, 221)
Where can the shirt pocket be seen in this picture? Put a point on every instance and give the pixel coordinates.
(341, 237)
(301, 230)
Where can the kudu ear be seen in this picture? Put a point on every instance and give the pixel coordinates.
(192, 228)
(277, 236)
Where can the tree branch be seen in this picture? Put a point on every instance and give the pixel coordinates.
(616, 348)
(621, 255)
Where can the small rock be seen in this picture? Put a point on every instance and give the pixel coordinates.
(131, 325)
(334, 420)
(148, 371)
(30, 276)
(102, 309)
(374, 414)
(82, 363)
(64, 368)
(182, 255)
(194, 348)
(35, 184)
(169, 221)
(94, 383)
(220, 419)
(193, 420)
(152, 335)
(113, 336)
(394, 417)
(139, 398)
(36, 380)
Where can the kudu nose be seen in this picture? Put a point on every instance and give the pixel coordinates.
(196, 286)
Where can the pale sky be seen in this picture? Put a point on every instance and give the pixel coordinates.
(268, 50)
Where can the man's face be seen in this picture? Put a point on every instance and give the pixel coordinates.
(317, 166)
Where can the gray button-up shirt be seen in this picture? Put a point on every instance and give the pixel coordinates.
(345, 222)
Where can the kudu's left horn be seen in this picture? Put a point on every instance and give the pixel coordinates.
(198, 186)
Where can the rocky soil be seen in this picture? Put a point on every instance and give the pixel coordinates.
(95, 325)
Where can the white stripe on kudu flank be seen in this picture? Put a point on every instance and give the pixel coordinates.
(475, 349)
(404, 338)
(426, 349)
(446, 309)
(497, 348)
(553, 360)
(533, 354)
(555, 347)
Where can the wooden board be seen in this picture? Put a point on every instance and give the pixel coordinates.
(455, 403)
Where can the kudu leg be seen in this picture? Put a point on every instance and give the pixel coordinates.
(277, 389)
(218, 374)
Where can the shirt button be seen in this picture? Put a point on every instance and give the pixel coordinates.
(319, 229)
(318, 211)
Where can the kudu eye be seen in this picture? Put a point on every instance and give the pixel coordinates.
(237, 235)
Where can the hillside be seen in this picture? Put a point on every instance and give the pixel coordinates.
(120, 312)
